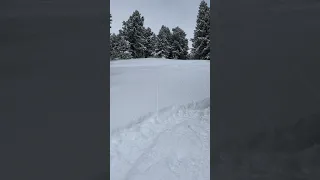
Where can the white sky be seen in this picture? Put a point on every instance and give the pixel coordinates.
(171, 13)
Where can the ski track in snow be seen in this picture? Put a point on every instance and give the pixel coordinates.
(173, 146)
(171, 141)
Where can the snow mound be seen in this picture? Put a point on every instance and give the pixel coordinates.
(171, 144)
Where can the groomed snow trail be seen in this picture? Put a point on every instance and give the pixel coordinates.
(171, 144)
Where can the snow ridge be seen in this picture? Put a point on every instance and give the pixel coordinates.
(173, 146)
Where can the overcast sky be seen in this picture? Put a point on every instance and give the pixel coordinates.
(171, 13)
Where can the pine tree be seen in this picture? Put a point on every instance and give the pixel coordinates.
(154, 40)
(201, 40)
(158, 52)
(119, 47)
(189, 55)
(123, 48)
(179, 47)
(150, 42)
(164, 42)
(113, 41)
(132, 31)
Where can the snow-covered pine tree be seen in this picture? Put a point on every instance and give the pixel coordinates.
(179, 47)
(132, 30)
(201, 40)
(150, 42)
(119, 47)
(154, 40)
(158, 52)
(189, 56)
(123, 48)
(113, 43)
(111, 40)
(163, 45)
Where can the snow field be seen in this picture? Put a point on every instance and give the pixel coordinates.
(160, 120)
(143, 86)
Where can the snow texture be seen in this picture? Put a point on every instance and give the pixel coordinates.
(160, 120)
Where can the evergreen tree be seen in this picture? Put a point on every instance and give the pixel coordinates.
(157, 53)
(201, 40)
(113, 41)
(132, 31)
(150, 42)
(154, 40)
(119, 47)
(163, 44)
(179, 47)
(189, 55)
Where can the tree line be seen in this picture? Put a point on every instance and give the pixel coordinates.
(136, 41)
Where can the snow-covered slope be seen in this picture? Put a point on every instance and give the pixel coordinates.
(142, 86)
(160, 119)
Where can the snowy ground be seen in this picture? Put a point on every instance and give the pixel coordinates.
(160, 112)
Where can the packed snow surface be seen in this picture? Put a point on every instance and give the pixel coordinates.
(160, 119)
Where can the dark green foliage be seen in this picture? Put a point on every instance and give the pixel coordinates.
(201, 40)
(179, 46)
(132, 30)
(150, 42)
(164, 42)
(119, 47)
